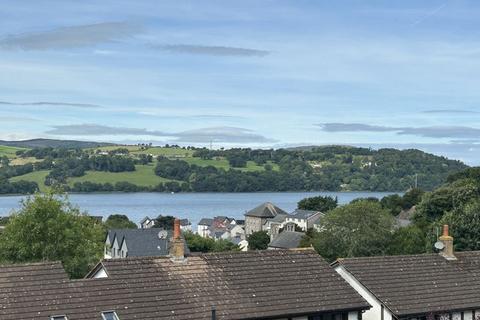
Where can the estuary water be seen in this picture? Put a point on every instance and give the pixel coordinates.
(193, 206)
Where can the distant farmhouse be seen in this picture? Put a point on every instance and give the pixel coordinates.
(215, 286)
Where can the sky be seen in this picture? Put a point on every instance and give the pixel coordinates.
(250, 73)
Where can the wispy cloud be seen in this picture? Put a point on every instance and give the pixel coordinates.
(450, 111)
(215, 134)
(454, 132)
(71, 37)
(211, 50)
(51, 103)
(429, 14)
(222, 134)
(100, 130)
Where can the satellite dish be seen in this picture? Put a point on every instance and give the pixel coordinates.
(439, 245)
(163, 234)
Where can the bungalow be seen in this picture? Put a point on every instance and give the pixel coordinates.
(417, 287)
(214, 286)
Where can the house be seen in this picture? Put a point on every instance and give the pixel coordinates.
(255, 219)
(122, 243)
(203, 227)
(147, 222)
(185, 225)
(304, 219)
(274, 225)
(425, 286)
(286, 240)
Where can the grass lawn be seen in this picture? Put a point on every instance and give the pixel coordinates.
(142, 176)
(9, 151)
(36, 176)
(22, 161)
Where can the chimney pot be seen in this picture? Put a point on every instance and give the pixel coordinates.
(177, 247)
(447, 240)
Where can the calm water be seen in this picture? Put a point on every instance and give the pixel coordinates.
(193, 206)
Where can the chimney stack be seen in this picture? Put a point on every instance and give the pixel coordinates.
(447, 240)
(177, 248)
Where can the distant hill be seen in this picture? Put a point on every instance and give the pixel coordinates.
(53, 143)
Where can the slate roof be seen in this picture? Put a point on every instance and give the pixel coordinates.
(303, 214)
(420, 284)
(279, 218)
(142, 242)
(265, 210)
(241, 286)
(185, 222)
(287, 240)
(206, 222)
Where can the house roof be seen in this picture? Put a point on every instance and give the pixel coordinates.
(419, 284)
(303, 214)
(287, 240)
(265, 210)
(279, 218)
(142, 242)
(185, 222)
(206, 222)
(240, 285)
(147, 218)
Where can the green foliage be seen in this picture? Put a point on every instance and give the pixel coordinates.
(396, 203)
(444, 199)
(258, 240)
(164, 222)
(119, 221)
(407, 240)
(362, 228)
(320, 203)
(197, 243)
(48, 227)
(465, 226)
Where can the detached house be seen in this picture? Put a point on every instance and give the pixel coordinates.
(256, 218)
(444, 286)
(215, 286)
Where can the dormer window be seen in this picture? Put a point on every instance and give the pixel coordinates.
(109, 315)
(58, 318)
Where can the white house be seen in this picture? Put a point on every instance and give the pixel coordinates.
(203, 227)
(417, 287)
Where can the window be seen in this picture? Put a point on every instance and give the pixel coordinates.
(58, 318)
(109, 315)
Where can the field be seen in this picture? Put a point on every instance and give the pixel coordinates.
(142, 176)
(35, 176)
(9, 151)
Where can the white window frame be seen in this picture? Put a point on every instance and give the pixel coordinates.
(110, 311)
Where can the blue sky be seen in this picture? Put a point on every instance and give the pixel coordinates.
(244, 73)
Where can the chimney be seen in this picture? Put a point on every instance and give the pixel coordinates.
(177, 247)
(447, 240)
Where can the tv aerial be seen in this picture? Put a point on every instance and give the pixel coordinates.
(163, 234)
(439, 245)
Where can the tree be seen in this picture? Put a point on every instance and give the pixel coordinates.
(407, 240)
(362, 228)
(319, 203)
(465, 226)
(119, 221)
(258, 240)
(197, 243)
(48, 227)
(164, 222)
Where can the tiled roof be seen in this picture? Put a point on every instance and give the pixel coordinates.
(240, 285)
(265, 210)
(419, 284)
(287, 240)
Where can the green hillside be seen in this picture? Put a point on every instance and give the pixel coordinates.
(172, 168)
